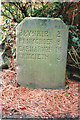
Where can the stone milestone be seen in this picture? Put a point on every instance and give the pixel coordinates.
(41, 52)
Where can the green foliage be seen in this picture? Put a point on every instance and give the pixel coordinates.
(15, 11)
(67, 11)
(74, 31)
(8, 35)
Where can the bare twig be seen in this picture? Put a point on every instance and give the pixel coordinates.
(73, 17)
(72, 57)
(43, 109)
(74, 66)
(75, 54)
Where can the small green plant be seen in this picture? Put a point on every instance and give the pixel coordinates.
(65, 94)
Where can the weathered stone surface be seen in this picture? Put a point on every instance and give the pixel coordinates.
(41, 53)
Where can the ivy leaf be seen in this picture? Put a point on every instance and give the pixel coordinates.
(74, 39)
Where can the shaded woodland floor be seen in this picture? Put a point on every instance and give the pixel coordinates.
(21, 102)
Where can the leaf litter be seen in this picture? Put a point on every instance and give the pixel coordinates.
(28, 102)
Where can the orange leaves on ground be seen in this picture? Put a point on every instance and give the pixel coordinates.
(39, 102)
